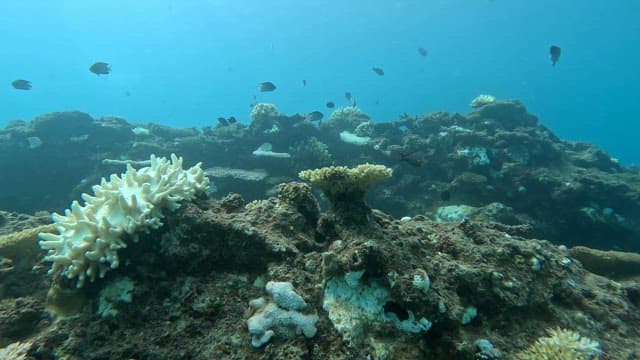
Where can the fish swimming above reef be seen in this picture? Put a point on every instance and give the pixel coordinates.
(304, 83)
(554, 54)
(226, 122)
(350, 98)
(222, 121)
(21, 84)
(330, 104)
(422, 51)
(413, 158)
(378, 70)
(314, 116)
(266, 86)
(100, 68)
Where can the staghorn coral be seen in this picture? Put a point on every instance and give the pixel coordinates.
(561, 344)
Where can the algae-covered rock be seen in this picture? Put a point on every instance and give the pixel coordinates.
(612, 264)
(59, 127)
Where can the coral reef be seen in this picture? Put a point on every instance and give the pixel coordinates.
(443, 260)
(491, 291)
(570, 193)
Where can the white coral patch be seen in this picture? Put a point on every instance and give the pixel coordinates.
(90, 235)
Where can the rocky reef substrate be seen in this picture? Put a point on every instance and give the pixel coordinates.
(497, 162)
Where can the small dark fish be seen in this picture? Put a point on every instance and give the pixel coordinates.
(100, 68)
(554, 54)
(314, 116)
(21, 84)
(422, 52)
(350, 99)
(378, 71)
(266, 86)
(232, 120)
(413, 158)
(222, 121)
(304, 83)
(330, 104)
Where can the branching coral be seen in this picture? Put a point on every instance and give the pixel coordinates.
(561, 344)
(90, 235)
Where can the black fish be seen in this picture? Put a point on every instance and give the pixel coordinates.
(304, 83)
(222, 121)
(413, 158)
(378, 70)
(554, 54)
(314, 116)
(330, 105)
(232, 120)
(348, 96)
(100, 68)
(266, 86)
(21, 84)
(422, 52)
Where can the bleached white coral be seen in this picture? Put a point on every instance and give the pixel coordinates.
(347, 118)
(482, 100)
(262, 111)
(354, 139)
(90, 235)
(562, 344)
(16, 351)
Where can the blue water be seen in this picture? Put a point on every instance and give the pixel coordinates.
(186, 62)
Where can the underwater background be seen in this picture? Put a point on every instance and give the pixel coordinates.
(184, 63)
(319, 180)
